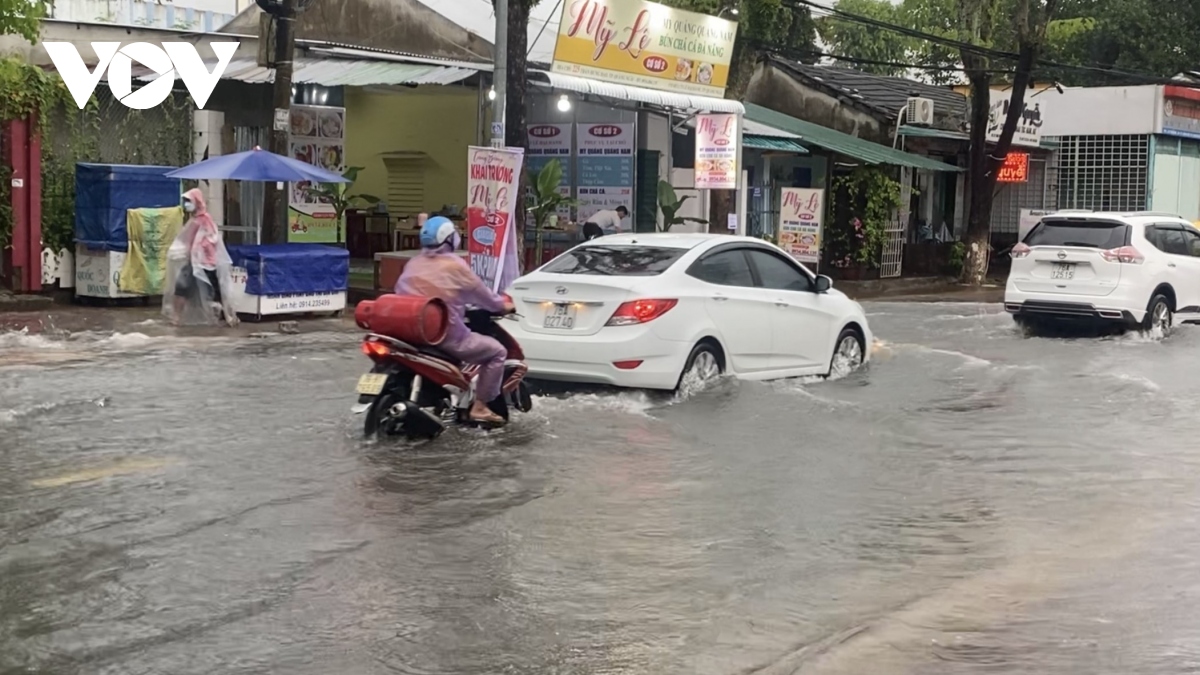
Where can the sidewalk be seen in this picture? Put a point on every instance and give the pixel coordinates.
(921, 289)
(40, 314)
(11, 302)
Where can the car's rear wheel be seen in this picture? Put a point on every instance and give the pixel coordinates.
(704, 365)
(1159, 315)
(848, 353)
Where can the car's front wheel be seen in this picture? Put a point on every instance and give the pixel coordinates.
(1159, 315)
(848, 353)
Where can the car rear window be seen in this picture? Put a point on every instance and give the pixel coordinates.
(1102, 234)
(620, 261)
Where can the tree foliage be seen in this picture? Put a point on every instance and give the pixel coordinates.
(1148, 37)
(880, 51)
(22, 17)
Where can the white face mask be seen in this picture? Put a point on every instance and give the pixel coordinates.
(188, 206)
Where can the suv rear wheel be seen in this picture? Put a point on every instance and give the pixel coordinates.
(1159, 315)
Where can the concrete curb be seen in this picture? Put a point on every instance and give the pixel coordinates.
(10, 302)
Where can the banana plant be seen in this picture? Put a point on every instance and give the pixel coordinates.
(335, 194)
(669, 204)
(546, 201)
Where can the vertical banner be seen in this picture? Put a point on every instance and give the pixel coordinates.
(801, 216)
(318, 137)
(716, 152)
(492, 198)
(548, 142)
(605, 167)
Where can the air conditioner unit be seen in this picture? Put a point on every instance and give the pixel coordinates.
(920, 111)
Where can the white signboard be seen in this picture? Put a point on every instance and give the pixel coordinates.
(593, 199)
(1029, 128)
(801, 216)
(1029, 218)
(605, 167)
(549, 142)
(716, 151)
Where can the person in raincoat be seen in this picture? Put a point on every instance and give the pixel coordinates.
(439, 272)
(198, 266)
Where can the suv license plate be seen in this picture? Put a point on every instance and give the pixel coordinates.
(1064, 271)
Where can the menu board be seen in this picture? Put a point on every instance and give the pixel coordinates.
(549, 142)
(318, 137)
(716, 152)
(801, 215)
(605, 167)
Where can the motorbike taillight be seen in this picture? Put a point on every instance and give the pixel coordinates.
(375, 349)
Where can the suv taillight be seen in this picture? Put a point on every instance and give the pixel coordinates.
(1127, 255)
(1020, 251)
(640, 311)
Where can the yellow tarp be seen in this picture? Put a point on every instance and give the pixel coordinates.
(151, 232)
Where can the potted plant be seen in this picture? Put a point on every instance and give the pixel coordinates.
(546, 201)
(336, 195)
(669, 204)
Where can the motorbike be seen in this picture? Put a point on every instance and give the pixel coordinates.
(416, 391)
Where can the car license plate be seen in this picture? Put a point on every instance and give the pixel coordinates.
(560, 317)
(1063, 271)
(371, 384)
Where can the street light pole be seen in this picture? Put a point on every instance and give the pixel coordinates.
(275, 205)
(500, 73)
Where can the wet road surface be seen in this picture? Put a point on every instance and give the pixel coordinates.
(974, 502)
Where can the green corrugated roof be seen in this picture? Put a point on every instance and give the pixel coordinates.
(773, 143)
(927, 132)
(844, 144)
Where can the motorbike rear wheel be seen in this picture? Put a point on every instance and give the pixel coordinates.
(378, 418)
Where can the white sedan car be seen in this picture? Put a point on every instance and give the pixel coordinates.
(644, 310)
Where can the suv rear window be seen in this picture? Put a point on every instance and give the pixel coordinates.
(1102, 234)
(620, 261)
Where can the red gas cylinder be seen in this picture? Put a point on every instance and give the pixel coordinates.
(417, 320)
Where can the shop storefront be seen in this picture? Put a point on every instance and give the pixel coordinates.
(609, 119)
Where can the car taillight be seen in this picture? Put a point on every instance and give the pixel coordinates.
(375, 349)
(640, 311)
(1127, 255)
(1020, 251)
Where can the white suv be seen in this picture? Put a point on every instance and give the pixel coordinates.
(1139, 269)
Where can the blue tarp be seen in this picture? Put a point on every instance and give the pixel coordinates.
(285, 269)
(104, 192)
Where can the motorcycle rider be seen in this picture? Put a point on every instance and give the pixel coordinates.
(441, 273)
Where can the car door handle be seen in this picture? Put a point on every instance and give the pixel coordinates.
(720, 298)
(1170, 264)
(780, 303)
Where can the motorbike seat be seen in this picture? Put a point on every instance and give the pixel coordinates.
(438, 354)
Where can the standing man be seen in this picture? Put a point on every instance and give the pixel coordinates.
(603, 223)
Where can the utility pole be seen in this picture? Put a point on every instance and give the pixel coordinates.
(500, 74)
(275, 204)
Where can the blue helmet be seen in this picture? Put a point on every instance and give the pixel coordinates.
(437, 231)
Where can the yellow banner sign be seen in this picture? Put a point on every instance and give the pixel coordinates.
(645, 44)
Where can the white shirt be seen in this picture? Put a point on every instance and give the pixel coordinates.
(609, 221)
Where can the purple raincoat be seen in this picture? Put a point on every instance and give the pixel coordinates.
(441, 273)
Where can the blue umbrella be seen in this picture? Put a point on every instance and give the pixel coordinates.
(258, 165)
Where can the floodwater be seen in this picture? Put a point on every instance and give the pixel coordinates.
(973, 502)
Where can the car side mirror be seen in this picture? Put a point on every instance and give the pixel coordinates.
(824, 283)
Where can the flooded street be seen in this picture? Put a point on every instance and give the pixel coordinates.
(973, 502)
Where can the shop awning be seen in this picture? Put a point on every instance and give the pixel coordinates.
(926, 132)
(773, 143)
(342, 73)
(623, 92)
(843, 144)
